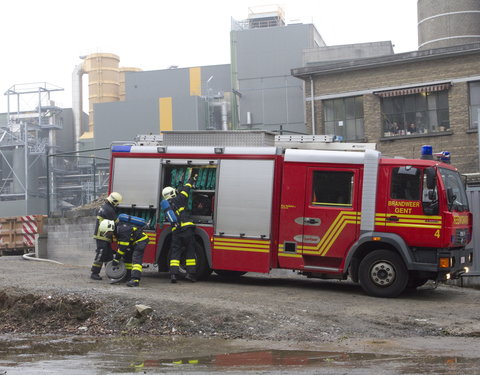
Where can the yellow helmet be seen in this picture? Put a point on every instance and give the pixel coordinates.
(115, 198)
(169, 192)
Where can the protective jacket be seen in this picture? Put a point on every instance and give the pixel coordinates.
(183, 235)
(179, 206)
(106, 211)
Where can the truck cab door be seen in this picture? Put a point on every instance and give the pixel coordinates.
(331, 216)
(407, 212)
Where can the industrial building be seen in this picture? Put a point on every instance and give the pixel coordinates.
(282, 78)
(403, 101)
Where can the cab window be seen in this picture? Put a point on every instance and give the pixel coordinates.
(332, 188)
(406, 183)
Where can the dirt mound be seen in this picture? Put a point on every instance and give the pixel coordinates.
(43, 314)
(81, 314)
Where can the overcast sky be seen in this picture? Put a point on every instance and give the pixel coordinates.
(43, 39)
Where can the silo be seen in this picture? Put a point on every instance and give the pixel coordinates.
(103, 81)
(444, 23)
(123, 70)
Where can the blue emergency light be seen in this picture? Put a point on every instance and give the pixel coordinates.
(443, 156)
(427, 152)
(121, 148)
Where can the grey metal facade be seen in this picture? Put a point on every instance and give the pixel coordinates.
(271, 99)
(139, 113)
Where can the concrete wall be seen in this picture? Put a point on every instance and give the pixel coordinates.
(69, 240)
(347, 52)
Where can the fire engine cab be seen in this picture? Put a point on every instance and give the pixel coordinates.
(321, 208)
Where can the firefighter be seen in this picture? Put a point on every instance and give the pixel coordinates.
(131, 242)
(104, 253)
(183, 232)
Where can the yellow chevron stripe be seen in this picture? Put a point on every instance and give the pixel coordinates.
(409, 221)
(413, 225)
(426, 217)
(289, 255)
(240, 249)
(217, 239)
(218, 243)
(332, 233)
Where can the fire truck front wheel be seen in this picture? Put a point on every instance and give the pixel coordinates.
(382, 273)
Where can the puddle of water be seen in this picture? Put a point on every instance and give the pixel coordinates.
(150, 355)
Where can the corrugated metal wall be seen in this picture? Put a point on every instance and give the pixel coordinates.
(474, 202)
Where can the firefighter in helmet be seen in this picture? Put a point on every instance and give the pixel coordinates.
(131, 242)
(183, 232)
(104, 253)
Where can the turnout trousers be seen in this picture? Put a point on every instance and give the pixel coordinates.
(104, 254)
(183, 242)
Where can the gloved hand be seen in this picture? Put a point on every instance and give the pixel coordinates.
(116, 260)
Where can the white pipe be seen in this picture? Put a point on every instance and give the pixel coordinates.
(29, 257)
(224, 116)
(77, 102)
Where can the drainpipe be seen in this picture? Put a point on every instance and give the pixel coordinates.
(314, 131)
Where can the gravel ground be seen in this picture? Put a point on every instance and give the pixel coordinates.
(281, 309)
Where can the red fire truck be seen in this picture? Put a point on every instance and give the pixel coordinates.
(262, 202)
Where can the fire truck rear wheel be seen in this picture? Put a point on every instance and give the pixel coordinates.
(203, 269)
(382, 273)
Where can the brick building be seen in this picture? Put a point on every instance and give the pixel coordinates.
(400, 102)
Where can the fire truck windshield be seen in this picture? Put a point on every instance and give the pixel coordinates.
(456, 196)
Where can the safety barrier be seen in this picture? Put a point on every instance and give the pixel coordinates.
(17, 234)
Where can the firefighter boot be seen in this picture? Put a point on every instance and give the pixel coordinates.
(190, 277)
(95, 276)
(173, 278)
(133, 282)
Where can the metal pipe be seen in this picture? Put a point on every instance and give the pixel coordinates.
(314, 131)
(77, 101)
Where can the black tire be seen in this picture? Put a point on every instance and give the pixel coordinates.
(382, 273)
(203, 269)
(229, 274)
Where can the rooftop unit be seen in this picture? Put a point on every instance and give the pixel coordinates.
(265, 16)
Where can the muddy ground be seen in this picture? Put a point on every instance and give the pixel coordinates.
(280, 310)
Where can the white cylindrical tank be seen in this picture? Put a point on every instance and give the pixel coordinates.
(445, 23)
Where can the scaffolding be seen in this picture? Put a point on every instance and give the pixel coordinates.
(27, 134)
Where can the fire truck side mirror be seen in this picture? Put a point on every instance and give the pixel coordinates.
(431, 174)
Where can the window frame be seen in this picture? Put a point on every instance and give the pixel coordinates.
(424, 113)
(338, 120)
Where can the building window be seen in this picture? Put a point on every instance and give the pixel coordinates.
(424, 112)
(474, 89)
(343, 118)
(332, 188)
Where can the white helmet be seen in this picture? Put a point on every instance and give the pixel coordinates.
(106, 226)
(169, 192)
(115, 198)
